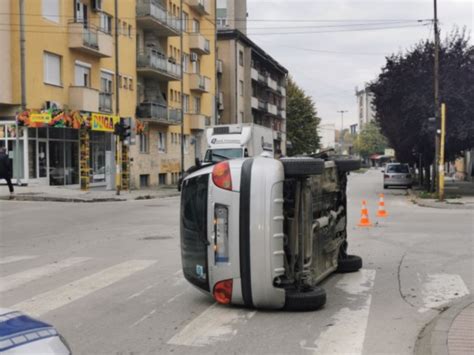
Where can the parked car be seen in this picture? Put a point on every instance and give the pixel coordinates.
(264, 233)
(397, 174)
(21, 334)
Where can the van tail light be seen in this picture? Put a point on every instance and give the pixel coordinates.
(386, 176)
(223, 291)
(221, 176)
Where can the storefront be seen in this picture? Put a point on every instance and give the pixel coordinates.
(51, 155)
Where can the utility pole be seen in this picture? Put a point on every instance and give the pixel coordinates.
(182, 88)
(23, 89)
(118, 143)
(341, 136)
(441, 153)
(434, 186)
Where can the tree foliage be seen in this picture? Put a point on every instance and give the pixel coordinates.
(404, 97)
(370, 141)
(302, 121)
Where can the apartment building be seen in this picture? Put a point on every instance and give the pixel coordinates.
(73, 91)
(364, 104)
(170, 93)
(251, 85)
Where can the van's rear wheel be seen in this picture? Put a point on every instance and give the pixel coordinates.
(300, 301)
(301, 167)
(349, 263)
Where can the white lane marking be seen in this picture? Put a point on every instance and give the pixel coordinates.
(14, 258)
(145, 317)
(61, 296)
(139, 293)
(15, 280)
(440, 289)
(347, 334)
(217, 323)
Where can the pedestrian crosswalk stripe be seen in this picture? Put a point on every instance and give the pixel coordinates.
(15, 280)
(14, 258)
(61, 296)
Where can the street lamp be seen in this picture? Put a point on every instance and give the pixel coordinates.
(341, 136)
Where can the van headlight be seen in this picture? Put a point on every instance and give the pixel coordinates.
(221, 234)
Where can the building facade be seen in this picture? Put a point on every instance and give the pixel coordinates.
(72, 88)
(365, 110)
(327, 135)
(251, 85)
(232, 15)
(176, 84)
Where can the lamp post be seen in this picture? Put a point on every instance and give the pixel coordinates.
(341, 136)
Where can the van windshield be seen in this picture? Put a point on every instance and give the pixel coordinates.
(217, 155)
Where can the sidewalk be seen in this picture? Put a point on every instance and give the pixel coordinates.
(74, 194)
(459, 195)
(452, 332)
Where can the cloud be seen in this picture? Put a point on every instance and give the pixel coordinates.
(330, 78)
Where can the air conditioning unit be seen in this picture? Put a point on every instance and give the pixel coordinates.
(194, 57)
(96, 5)
(52, 105)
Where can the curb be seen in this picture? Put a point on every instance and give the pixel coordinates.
(438, 205)
(39, 198)
(433, 339)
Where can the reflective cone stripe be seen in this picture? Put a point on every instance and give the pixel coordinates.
(381, 210)
(364, 216)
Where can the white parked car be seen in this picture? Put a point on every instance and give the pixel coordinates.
(21, 334)
(397, 174)
(264, 233)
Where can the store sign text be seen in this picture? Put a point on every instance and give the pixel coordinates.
(104, 123)
(40, 118)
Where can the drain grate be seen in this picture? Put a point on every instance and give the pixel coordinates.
(157, 237)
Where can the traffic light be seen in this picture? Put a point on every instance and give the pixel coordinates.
(118, 129)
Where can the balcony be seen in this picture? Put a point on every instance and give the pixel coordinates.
(200, 6)
(272, 84)
(82, 98)
(105, 102)
(156, 65)
(262, 105)
(219, 66)
(272, 109)
(254, 74)
(254, 103)
(153, 17)
(90, 40)
(262, 78)
(277, 135)
(282, 113)
(197, 121)
(158, 113)
(199, 44)
(281, 90)
(199, 83)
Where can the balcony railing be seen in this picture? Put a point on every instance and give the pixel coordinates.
(153, 16)
(82, 98)
(200, 83)
(200, 6)
(199, 44)
(105, 102)
(262, 105)
(159, 113)
(153, 63)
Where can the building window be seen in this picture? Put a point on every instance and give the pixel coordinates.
(186, 144)
(241, 117)
(105, 23)
(186, 103)
(241, 88)
(144, 180)
(82, 75)
(197, 104)
(185, 21)
(130, 83)
(162, 142)
(185, 62)
(125, 82)
(196, 26)
(162, 179)
(130, 31)
(106, 82)
(52, 69)
(144, 143)
(241, 58)
(50, 10)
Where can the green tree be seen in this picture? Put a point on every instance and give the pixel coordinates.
(301, 122)
(370, 141)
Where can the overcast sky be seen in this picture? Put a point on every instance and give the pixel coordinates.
(330, 78)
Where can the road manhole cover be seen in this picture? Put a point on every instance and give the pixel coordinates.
(157, 237)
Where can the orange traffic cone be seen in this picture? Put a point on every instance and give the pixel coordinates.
(364, 216)
(381, 212)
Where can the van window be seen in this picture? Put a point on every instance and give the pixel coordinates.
(399, 168)
(217, 155)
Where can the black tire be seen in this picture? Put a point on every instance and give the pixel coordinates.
(346, 165)
(349, 263)
(301, 301)
(301, 167)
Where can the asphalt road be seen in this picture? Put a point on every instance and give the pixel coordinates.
(108, 276)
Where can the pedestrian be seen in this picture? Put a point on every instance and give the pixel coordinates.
(6, 168)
